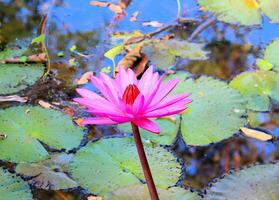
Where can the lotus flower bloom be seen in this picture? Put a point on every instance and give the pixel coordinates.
(126, 99)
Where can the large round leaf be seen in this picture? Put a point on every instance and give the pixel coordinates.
(271, 54)
(245, 12)
(215, 113)
(271, 9)
(13, 187)
(140, 192)
(168, 131)
(109, 164)
(258, 182)
(257, 86)
(16, 77)
(25, 126)
(48, 174)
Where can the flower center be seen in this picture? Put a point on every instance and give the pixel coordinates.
(130, 94)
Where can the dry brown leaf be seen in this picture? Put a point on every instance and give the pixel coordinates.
(94, 198)
(124, 3)
(134, 16)
(37, 58)
(259, 135)
(113, 7)
(13, 98)
(69, 111)
(135, 39)
(3, 136)
(79, 121)
(134, 60)
(85, 78)
(152, 23)
(45, 104)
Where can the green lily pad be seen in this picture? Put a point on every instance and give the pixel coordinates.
(163, 53)
(216, 112)
(167, 135)
(109, 164)
(258, 182)
(13, 187)
(48, 174)
(270, 9)
(26, 126)
(16, 77)
(271, 54)
(245, 12)
(140, 192)
(257, 86)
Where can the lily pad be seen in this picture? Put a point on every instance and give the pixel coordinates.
(270, 9)
(48, 174)
(271, 54)
(167, 135)
(245, 12)
(140, 192)
(16, 77)
(216, 112)
(258, 182)
(163, 53)
(26, 126)
(109, 164)
(257, 86)
(13, 187)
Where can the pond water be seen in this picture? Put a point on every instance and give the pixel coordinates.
(233, 49)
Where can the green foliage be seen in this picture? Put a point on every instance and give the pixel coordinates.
(25, 126)
(114, 52)
(109, 164)
(270, 9)
(16, 77)
(140, 192)
(48, 174)
(39, 40)
(215, 113)
(258, 182)
(264, 64)
(245, 12)
(271, 54)
(257, 86)
(167, 135)
(13, 187)
(163, 53)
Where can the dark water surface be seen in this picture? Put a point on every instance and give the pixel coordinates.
(233, 50)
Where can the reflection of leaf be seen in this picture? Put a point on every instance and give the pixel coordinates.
(152, 23)
(163, 52)
(259, 135)
(48, 174)
(140, 192)
(259, 182)
(117, 9)
(16, 77)
(245, 12)
(216, 112)
(25, 126)
(257, 86)
(271, 54)
(114, 52)
(13, 187)
(108, 164)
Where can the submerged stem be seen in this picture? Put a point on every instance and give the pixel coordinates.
(144, 164)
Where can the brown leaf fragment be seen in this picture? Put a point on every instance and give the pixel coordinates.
(45, 104)
(94, 198)
(13, 98)
(3, 136)
(117, 9)
(84, 78)
(69, 111)
(134, 16)
(36, 58)
(134, 60)
(259, 135)
(152, 23)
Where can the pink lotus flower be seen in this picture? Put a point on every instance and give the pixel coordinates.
(126, 99)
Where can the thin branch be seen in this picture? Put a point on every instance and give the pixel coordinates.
(202, 27)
